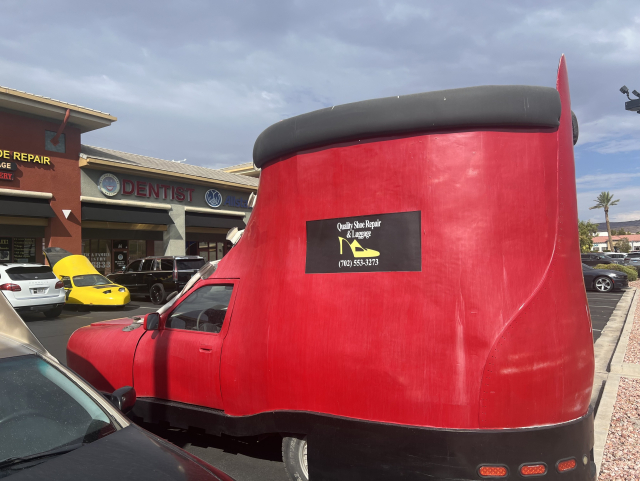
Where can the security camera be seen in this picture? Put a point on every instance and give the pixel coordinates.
(635, 92)
(625, 91)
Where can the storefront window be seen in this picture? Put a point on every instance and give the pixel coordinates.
(211, 251)
(24, 250)
(5, 249)
(137, 249)
(99, 254)
(109, 256)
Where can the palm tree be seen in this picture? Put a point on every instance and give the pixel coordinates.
(604, 201)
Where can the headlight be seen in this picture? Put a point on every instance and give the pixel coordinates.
(614, 275)
(122, 289)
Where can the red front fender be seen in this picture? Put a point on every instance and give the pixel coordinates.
(102, 353)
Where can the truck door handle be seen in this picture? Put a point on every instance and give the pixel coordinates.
(205, 349)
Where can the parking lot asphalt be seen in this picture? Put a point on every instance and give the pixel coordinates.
(601, 305)
(244, 459)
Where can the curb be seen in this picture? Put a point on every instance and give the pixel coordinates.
(610, 367)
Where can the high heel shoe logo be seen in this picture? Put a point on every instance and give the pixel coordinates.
(357, 249)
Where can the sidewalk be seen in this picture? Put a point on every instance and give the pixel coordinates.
(618, 453)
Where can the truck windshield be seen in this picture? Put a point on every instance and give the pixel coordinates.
(90, 280)
(42, 410)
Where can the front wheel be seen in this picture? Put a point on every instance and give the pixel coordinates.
(157, 294)
(603, 284)
(294, 456)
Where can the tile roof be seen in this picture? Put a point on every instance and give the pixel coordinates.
(631, 237)
(165, 165)
(9, 90)
(246, 165)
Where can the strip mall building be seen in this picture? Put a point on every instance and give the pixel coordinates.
(112, 206)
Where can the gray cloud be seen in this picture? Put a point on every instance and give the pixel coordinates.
(201, 79)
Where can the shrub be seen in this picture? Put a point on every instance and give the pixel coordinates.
(635, 268)
(630, 271)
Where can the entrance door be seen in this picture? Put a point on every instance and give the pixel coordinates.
(181, 361)
(120, 260)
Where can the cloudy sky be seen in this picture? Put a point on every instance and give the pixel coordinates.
(201, 79)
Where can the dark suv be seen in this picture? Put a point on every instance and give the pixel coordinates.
(595, 259)
(157, 276)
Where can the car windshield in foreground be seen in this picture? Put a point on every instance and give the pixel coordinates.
(43, 413)
(189, 264)
(90, 280)
(27, 273)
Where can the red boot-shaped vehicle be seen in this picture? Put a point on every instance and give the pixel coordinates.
(406, 301)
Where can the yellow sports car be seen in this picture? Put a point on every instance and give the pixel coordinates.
(83, 283)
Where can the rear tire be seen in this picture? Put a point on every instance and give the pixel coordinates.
(157, 294)
(53, 313)
(603, 284)
(294, 456)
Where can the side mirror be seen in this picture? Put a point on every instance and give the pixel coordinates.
(152, 321)
(172, 295)
(124, 398)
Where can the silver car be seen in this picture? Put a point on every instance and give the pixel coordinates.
(632, 259)
(617, 257)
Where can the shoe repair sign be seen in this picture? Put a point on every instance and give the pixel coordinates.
(4, 166)
(370, 243)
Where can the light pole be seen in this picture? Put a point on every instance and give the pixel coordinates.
(633, 104)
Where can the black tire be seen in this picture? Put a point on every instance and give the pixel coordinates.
(603, 284)
(157, 294)
(53, 313)
(294, 457)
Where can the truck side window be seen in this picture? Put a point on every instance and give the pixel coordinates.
(166, 264)
(204, 310)
(134, 266)
(147, 265)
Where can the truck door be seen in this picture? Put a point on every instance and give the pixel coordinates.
(127, 277)
(181, 360)
(144, 278)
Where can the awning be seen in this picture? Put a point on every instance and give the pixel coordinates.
(22, 230)
(193, 219)
(121, 234)
(133, 215)
(25, 207)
